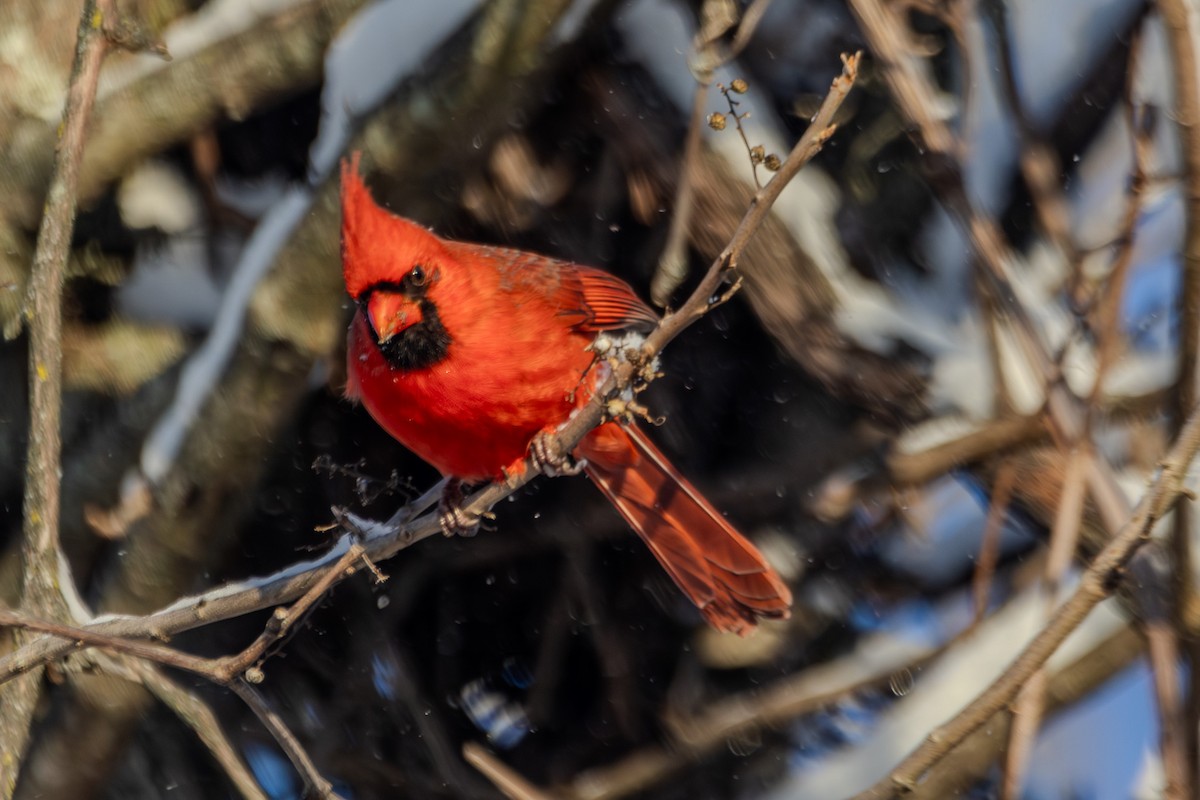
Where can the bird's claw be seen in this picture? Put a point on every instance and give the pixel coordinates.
(452, 517)
(549, 461)
(455, 521)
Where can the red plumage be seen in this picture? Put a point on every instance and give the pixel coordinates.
(464, 353)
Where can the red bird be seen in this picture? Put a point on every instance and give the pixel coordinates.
(466, 353)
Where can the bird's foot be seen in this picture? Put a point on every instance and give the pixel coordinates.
(548, 460)
(453, 518)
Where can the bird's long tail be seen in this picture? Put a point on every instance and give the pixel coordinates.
(725, 575)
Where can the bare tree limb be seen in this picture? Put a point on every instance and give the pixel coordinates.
(40, 592)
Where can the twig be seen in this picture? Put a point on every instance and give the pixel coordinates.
(1177, 15)
(1002, 400)
(221, 670)
(286, 739)
(989, 548)
(510, 783)
(672, 264)
(994, 437)
(973, 760)
(40, 593)
(229, 671)
(1039, 164)
(1106, 323)
(1031, 702)
(195, 713)
(1162, 637)
(706, 57)
(1096, 583)
(873, 662)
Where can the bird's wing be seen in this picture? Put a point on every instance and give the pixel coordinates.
(594, 300)
(584, 298)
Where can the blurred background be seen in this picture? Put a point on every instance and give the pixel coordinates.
(865, 409)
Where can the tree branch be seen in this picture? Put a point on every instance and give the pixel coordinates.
(41, 593)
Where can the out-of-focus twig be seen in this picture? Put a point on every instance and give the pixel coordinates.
(875, 661)
(1039, 164)
(989, 548)
(913, 92)
(511, 784)
(994, 437)
(708, 55)
(1031, 701)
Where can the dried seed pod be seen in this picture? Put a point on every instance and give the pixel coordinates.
(716, 121)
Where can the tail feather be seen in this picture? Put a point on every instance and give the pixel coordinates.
(716, 567)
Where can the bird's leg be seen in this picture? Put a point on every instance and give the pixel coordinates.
(454, 519)
(548, 460)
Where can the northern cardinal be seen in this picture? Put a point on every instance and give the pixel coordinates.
(466, 353)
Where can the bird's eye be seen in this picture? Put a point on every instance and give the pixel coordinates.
(417, 276)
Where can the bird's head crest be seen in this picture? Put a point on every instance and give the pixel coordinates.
(377, 245)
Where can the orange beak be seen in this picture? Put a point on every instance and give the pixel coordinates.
(390, 314)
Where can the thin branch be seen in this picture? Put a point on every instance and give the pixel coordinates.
(672, 264)
(1031, 702)
(994, 437)
(286, 739)
(229, 671)
(973, 760)
(1161, 635)
(511, 784)
(223, 670)
(1178, 15)
(989, 547)
(1106, 322)
(1039, 164)
(706, 58)
(913, 91)
(876, 661)
(195, 713)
